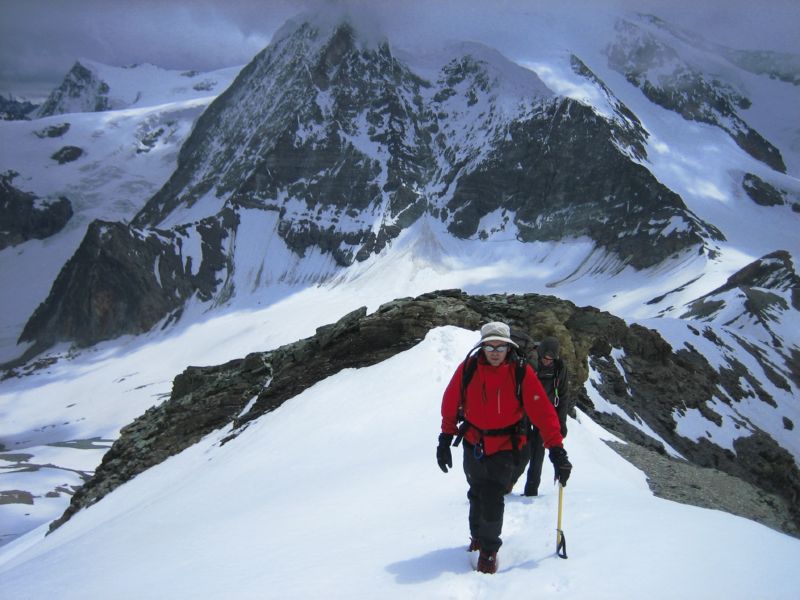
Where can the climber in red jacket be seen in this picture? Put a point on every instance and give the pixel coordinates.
(491, 415)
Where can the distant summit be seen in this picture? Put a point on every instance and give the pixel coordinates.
(82, 90)
(13, 109)
(90, 86)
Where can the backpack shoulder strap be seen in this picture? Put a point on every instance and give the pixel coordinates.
(559, 372)
(470, 365)
(520, 367)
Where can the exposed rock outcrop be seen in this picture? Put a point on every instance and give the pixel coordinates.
(754, 304)
(67, 154)
(762, 192)
(24, 216)
(123, 280)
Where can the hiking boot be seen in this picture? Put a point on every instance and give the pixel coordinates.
(487, 562)
(474, 544)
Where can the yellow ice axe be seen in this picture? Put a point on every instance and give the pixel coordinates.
(561, 541)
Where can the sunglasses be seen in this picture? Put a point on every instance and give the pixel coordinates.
(490, 348)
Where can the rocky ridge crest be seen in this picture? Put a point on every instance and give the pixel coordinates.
(650, 382)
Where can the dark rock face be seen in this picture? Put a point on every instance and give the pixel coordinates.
(81, 91)
(111, 280)
(125, 280)
(761, 192)
(23, 216)
(774, 271)
(652, 384)
(67, 154)
(290, 144)
(554, 164)
(627, 128)
(295, 109)
(578, 184)
(685, 89)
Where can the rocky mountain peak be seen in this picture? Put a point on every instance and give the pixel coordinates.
(82, 90)
(754, 305)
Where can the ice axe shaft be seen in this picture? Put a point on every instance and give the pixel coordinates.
(561, 541)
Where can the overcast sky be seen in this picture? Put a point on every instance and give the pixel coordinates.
(41, 39)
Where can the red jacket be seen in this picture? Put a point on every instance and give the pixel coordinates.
(491, 403)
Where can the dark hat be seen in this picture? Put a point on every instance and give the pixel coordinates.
(549, 347)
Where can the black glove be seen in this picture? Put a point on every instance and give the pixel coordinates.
(564, 430)
(443, 455)
(561, 464)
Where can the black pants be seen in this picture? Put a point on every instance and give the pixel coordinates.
(536, 449)
(532, 456)
(488, 478)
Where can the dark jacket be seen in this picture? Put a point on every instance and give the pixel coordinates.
(554, 382)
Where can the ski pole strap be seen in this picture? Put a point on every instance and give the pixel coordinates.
(460, 435)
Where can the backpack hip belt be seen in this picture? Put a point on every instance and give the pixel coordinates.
(513, 431)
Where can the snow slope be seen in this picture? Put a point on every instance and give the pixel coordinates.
(297, 508)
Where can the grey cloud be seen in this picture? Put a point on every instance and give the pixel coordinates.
(40, 39)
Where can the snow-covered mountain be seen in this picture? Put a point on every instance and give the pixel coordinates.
(339, 146)
(643, 171)
(118, 160)
(94, 87)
